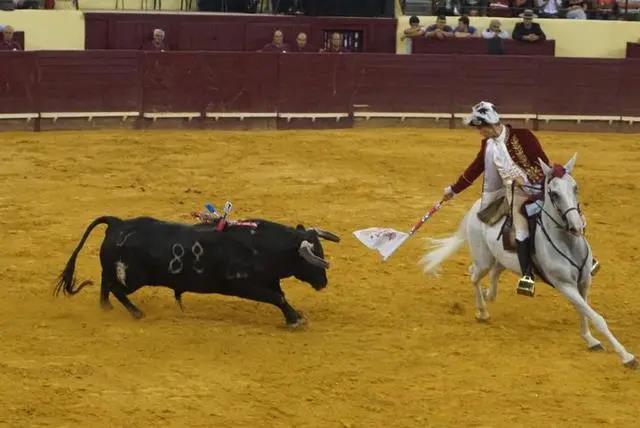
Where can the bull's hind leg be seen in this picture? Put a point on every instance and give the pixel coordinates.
(121, 294)
(105, 289)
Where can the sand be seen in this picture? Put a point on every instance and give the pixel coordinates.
(385, 346)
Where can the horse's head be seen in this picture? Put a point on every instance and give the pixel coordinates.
(562, 192)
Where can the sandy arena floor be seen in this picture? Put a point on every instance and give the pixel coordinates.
(385, 346)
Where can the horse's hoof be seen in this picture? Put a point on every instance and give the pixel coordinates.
(483, 317)
(596, 348)
(632, 364)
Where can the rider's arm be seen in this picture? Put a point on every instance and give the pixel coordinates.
(472, 172)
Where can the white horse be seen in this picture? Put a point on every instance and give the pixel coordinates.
(561, 253)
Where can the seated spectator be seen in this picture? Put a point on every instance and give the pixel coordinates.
(277, 44)
(302, 45)
(494, 31)
(439, 30)
(527, 30)
(335, 45)
(519, 6)
(464, 29)
(605, 9)
(474, 7)
(576, 9)
(549, 8)
(156, 43)
(7, 43)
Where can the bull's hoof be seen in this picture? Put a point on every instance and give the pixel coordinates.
(483, 316)
(632, 364)
(297, 323)
(137, 314)
(106, 306)
(596, 348)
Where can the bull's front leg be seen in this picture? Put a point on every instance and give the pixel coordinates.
(266, 293)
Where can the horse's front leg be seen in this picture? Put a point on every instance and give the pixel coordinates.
(571, 292)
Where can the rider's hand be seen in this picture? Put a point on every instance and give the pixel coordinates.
(448, 194)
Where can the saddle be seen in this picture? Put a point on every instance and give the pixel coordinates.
(498, 210)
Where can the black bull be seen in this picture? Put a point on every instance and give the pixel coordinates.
(246, 260)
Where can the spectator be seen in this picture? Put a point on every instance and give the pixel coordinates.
(549, 8)
(474, 7)
(414, 30)
(464, 29)
(302, 45)
(576, 9)
(527, 30)
(335, 45)
(439, 30)
(277, 44)
(518, 6)
(499, 8)
(605, 9)
(8, 44)
(494, 31)
(157, 42)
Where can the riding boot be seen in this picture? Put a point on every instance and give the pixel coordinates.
(595, 266)
(526, 285)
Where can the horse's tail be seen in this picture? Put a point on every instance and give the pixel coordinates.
(66, 281)
(442, 249)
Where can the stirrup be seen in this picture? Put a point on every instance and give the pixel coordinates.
(526, 286)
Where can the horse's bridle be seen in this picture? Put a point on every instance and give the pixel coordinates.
(565, 227)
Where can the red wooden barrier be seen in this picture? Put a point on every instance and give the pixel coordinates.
(88, 81)
(633, 50)
(479, 46)
(234, 82)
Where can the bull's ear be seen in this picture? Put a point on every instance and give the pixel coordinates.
(300, 227)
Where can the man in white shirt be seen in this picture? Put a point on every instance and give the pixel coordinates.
(494, 30)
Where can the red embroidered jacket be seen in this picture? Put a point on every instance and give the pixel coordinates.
(523, 147)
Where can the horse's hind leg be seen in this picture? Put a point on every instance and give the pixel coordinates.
(479, 271)
(571, 292)
(491, 293)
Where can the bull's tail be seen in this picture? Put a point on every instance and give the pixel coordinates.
(442, 249)
(67, 282)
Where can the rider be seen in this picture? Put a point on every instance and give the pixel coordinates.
(509, 159)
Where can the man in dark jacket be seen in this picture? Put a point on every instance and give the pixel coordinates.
(527, 30)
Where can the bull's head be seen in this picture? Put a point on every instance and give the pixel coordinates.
(313, 266)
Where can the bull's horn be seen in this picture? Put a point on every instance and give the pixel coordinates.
(306, 251)
(326, 235)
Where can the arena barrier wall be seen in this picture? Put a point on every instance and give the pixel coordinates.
(285, 88)
(633, 50)
(478, 46)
